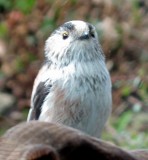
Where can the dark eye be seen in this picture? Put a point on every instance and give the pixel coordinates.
(65, 35)
(92, 33)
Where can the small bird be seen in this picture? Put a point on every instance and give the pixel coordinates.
(73, 86)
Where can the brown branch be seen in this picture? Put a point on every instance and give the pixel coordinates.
(41, 140)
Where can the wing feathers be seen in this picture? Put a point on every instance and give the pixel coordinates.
(37, 101)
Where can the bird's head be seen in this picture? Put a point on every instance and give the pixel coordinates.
(74, 40)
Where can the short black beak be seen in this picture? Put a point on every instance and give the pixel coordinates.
(84, 36)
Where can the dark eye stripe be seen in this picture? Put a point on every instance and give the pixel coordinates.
(90, 27)
(65, 27)
(68, 26)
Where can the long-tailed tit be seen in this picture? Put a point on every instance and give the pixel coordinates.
(73, 87)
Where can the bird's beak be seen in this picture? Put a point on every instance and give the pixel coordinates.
(85, 35)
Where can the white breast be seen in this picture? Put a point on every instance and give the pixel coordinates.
(75, 100)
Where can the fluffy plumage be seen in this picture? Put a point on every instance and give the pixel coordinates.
(73, 87)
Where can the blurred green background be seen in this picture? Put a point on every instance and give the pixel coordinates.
(122, 27)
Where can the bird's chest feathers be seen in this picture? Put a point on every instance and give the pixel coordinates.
(77, 79)
(76, 92)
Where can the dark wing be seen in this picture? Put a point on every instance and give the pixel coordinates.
(38, 99)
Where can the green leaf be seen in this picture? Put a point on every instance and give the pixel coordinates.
(48, 24)
(124, 121)
(19, 64)
(5, 5)
(25, 5)
(126, 90)
(3, 30)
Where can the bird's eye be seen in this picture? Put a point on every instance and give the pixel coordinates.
(65, 35)
(92, 33)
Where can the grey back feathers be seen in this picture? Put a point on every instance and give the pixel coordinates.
(73, 87)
